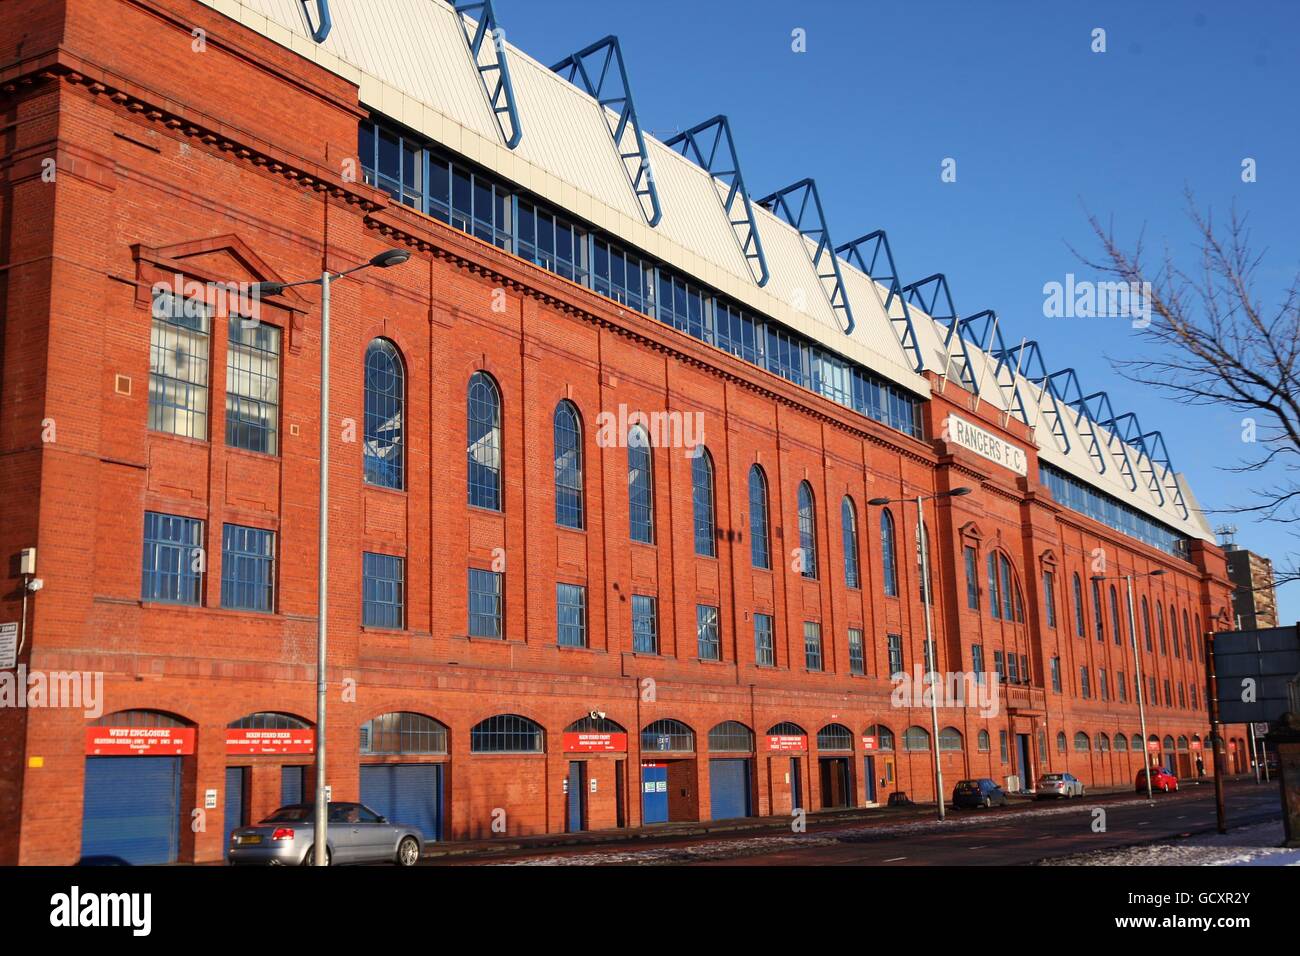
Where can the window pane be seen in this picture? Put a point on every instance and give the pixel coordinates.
(252, 386)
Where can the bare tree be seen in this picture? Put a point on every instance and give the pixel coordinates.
(1218, 343)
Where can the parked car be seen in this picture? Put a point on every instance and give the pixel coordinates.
(356, 835)
(1161, 779)
(1059, 785)
(978, 793)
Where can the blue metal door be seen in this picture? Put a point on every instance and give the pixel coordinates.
(292, 784)
(796, 784)
(654, 793)
(235, 818)
(577, 787)
(869, 767)
(729, 788)
(132, 809)
(406, 793)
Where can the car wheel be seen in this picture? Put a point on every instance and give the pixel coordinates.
(1082, 791)
(408, 851)
(988, 802)
(310, 858)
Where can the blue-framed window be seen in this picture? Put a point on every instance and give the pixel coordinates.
(1000, 666)
(1085, 687)
(1114, 616)
(737, 332)
(179, 342)
(857, 657)
(1013, 669)
(385, 401)
(807, 530)
(1049, 597)
(1010, 610)
(571, 615)
(1078, 496)
(971, 558)
(1056, 674)
(1097, 613)
(173, 559)
(995, 589)
(888, 554)
(685, 306)
(1080, 629)
(916, 738)
(786, 355)
(507, 734)
(640, 486)
(645, 624)
(667, 735)
(403, 732)
(924, 566)
(707, 633)
(252, 386)
(895, 645)
(1121, 687)
(764, 641)
(835, 737)
(553, 242)
(485, 603)
(760, 553)
(567, 432)
(1160, 628)
(623, 276)
(702, 503)
(849, 529)
(383, 590)
(247, 568)
(812, 645)
(977, 662)
(484, 448)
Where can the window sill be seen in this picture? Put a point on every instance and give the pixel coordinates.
(580, 650)
(380, 629)
(385, 489)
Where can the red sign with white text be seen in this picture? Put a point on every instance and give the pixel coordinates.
(138, 741)
(247, 740)
(583, 742)
(1153, 746)
(787, 742)
(868, 742)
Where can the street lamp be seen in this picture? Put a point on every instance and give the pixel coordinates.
(931, 652)
(1137, 662)
(384, 260)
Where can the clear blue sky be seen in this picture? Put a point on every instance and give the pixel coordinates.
(1040, 126)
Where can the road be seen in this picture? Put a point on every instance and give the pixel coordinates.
(1022, 833)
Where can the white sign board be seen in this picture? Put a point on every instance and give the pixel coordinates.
(8, 644)
(987, 445)
(209, 799)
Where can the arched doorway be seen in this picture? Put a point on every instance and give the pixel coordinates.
(595, 775)
(835, 766)
(403, 769)
(787, 749)
(668, 791)
(731, 770)
(259, 745)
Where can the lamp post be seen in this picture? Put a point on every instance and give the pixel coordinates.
(384, 260)
(1137, 664)
(931, 652)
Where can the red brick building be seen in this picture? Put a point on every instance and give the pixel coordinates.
(736, 661)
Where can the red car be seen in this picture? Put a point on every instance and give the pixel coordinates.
(1161, 779)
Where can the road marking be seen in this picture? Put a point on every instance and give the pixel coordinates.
(895, 859)
(1183, 817)
(980, 847)
(1144, 823)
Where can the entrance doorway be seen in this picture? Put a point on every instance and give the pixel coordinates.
(1026, 767)
(577, 787)
(654, 793)
(836, 789)
(869, 768)
(796, 784)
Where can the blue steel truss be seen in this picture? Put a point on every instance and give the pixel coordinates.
(1158, 469)
(500, 91)
(1101, 413)
(801, 206)
(934, 298)
(324, 22)
(1028, 357)
(985, 332)
(711, 146)
(872, 255)
(1065, 385)
(592, 66)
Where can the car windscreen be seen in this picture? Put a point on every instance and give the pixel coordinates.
(291, 815)
(1052, 776)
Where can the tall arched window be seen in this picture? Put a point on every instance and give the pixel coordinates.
(759, 551)
(568, 466)
(950, 739)
(1160, 627)
(385, 388)
(1078, 606)
(702, 503)
(484, 446)
(1173, 627)
(1114, 614)
(1146, 624)
(1187, 634)
(807, 530)
(924, 564)
(916, 738)
(849, 526)
(640, 486)
(888, 557)
(1081, 742)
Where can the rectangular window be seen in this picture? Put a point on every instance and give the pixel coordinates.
(485, 603)
(895, 654)
(1049, 597)
(812, 645)
(253, 386)
(1024, 669)
(977, 662)
(1121, 686)
(178, 366)
(1096, 611)
(1182, 696)
(1084, 687)
(1056, 674)
(1103, 684)
(1169, 699)
(857, 662)
(972, 579)
(247, 568)
(1002, 745)
(645, 624)
(764, 649)
(931, 665)
(571, 615)
(173, 559)
(999, 665)
(995, 604)
(383, 590)
(706, 629)
(1013, 669)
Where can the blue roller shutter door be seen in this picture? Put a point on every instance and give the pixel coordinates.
(729, 788)
(406, 793)
(132, 809)
(234, 800)
(291, 784)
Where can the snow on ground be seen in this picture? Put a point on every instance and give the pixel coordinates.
(1247, 846)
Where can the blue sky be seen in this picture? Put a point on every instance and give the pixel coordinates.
(1041, 129)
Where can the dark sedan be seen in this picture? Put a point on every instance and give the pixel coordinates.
(978, 793)
(356, 834)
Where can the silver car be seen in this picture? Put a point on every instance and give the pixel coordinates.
(356, 835)
(1059, 785)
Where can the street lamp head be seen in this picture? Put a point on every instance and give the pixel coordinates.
(390, 257)
(876, 502)
(262, 290)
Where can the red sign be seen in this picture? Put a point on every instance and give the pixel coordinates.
(245, 740)
(1153, 746)
(588, 742)
(1196, 745)
(787, 742)
(1232, 745)
(868, 742)
(138, 741)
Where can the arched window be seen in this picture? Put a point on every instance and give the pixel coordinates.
(924, 563)
(1008, 611)
(916, 738)
(807, 530)
(1167, 745)
(142, 718)
(949, 739)
(759, 551)
(702, 502)
(849, 526)
(667, 735)
(1146, 624)
(1182, 744)
(1173, 628)
(1160, 627)
(402, 732)
(385, 393)
(484, 448)
(640, 486)
(1081, 742)
(568, 466)
(506, 734)
(985, 742)
(995, 589)
(888, 558)
(595, 725)
(1114, 614)
(1079, 628)
(1187, 633)
(1060, 741)
(1121, 742)
(786, 728)
(269, 720)
(834, 737)
(1097, 614)
(884, 736)
(1103, 743)
(731, 736)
